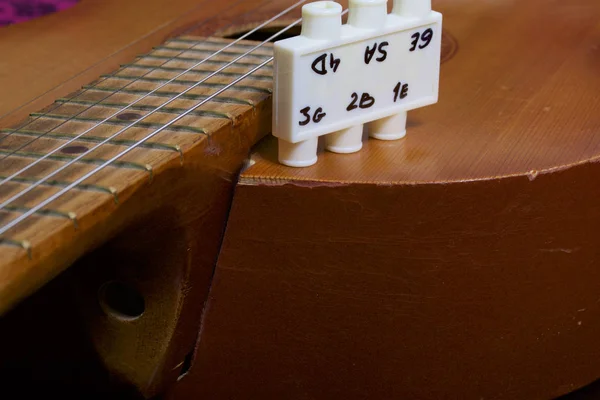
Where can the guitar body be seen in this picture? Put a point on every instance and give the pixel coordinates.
(458, 262)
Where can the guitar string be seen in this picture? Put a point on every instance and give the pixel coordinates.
(14, 151)
(113, 74)
(58, 194)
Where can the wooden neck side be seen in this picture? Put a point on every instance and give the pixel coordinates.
(216, 135)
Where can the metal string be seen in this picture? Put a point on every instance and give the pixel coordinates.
(94, 171)
(7, 179)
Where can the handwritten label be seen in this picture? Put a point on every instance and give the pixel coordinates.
(421, 40)
(400, 91)
(366, 101)
(319, 65)
(317, 116)
(370, 52)
(357, 82)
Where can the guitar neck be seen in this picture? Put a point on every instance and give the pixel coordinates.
(90, 132)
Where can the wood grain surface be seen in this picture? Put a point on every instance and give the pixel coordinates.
(71, 224)
(55, 55)
(458, 262)
(460, 256)
(179, 184)
(166, 201)
(88, 40)
(519, 96)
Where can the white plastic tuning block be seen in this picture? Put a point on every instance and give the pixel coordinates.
(334, 78)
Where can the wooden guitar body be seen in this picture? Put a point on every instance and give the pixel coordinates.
(458, 262)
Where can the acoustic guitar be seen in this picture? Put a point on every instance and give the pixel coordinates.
(151, 246)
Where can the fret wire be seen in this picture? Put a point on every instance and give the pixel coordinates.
(161, 86)
(198, 71)
(195, 71)
(249, 88)
(191, 59)
(170, 110)
(231, 100)
(79, 94)
(14, 222)
(207, 51)
(55, 196)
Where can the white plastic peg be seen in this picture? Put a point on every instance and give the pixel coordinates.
(362, 14)
(322, 20)
(334, 78)
(412, 8)
(367, 14)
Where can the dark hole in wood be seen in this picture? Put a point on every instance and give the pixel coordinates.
(265, 33)
(128, 116)
(74, 149)
(121, 300)
(187, 364)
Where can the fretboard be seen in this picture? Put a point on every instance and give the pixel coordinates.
(67, 226)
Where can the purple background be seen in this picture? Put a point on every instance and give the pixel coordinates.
(15, 11)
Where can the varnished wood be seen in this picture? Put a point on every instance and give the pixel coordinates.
(118, 42)
(478, 289)
(458, 262)
(93, 38)
(517, 105)
(179, 182)
(518, 97)
(30, 250)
